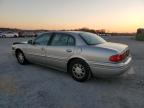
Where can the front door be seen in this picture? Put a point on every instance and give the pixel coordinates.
(36, 52)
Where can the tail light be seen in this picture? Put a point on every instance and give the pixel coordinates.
(119, 57)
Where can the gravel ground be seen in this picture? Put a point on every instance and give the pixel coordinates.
(34, 86)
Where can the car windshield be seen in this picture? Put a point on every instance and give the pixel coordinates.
(92, 39)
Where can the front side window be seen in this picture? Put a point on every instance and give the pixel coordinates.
(92, 39)
(43, 39)
(62, 40)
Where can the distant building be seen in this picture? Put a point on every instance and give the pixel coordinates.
(26, 34)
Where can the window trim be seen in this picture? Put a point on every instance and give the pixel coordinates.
(54, 34)
(83, 39)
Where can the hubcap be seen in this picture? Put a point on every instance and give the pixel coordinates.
(20, 57)
(78, 70)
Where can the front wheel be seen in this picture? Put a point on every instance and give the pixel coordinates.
(80, 70)
(20, 57)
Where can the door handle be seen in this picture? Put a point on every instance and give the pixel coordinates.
(68, 50)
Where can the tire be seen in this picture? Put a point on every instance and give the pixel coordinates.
(21, 58)
(80, 70)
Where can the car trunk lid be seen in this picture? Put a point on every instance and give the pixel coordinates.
(120, 48)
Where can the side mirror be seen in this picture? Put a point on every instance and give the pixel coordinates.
(30, 42)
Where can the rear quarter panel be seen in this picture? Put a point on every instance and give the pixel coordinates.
(97, 54)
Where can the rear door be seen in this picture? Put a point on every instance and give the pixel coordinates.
(61, 48)
(36, 52)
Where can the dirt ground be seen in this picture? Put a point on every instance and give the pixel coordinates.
(33, 86)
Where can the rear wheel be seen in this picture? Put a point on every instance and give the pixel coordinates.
(80, 70)
(20, 57)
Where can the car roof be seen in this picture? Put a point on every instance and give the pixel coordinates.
(69, 32)
(72, 33)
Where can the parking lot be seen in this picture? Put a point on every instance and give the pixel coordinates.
(33, 86)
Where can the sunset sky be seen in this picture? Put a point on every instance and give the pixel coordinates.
(112, 15)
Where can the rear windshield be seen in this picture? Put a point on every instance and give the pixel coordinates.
(92, 39)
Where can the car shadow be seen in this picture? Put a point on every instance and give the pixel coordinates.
(50, 70)
(123, 79)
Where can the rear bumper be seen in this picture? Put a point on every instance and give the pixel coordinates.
(110, 69)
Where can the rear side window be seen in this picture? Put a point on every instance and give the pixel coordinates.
(62, 40)
(42, 39)
(92, 39)
(71, 41)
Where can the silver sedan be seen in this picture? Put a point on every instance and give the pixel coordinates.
(80, 53)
